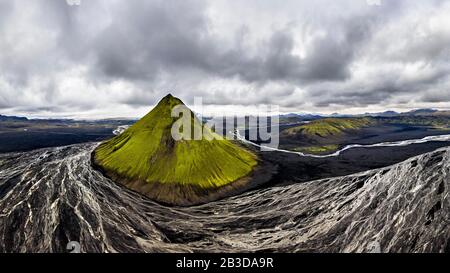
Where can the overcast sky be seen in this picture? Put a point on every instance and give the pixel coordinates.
(118, 58)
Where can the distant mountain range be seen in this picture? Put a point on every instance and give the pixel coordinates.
(417, 112)
(5, 118)
(304, 116)
(12, 118)
(412, 113)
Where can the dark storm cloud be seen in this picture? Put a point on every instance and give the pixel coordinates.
(152, 36)
(155, 37)
(104, 54)
(431, 87)
(5, 9)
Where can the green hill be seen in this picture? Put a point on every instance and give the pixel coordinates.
(323, 136)
(147, 159)
(329, 127)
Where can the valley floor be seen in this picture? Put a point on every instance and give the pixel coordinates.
(52, 196)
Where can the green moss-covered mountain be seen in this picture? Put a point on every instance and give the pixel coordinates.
(147, 159)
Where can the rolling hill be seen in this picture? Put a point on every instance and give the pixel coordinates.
(324, 135)
(329, 127)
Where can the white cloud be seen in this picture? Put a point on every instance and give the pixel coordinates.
(322, 56)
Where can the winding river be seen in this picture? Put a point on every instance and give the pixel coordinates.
(440, 138)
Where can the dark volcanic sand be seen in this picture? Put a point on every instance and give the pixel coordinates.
(53, 196)
(294, 168)
(21, 141)
(372, 135)
(393, 132)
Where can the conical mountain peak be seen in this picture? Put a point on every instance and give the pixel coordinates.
(147, 159)
(170, 101)
(160, 116)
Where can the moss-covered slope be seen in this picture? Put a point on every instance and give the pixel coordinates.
(330, 126)
(146, 158)
(323, 136)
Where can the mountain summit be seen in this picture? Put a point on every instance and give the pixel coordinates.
(147, 159)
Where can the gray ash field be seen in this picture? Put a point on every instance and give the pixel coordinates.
(51, 196)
